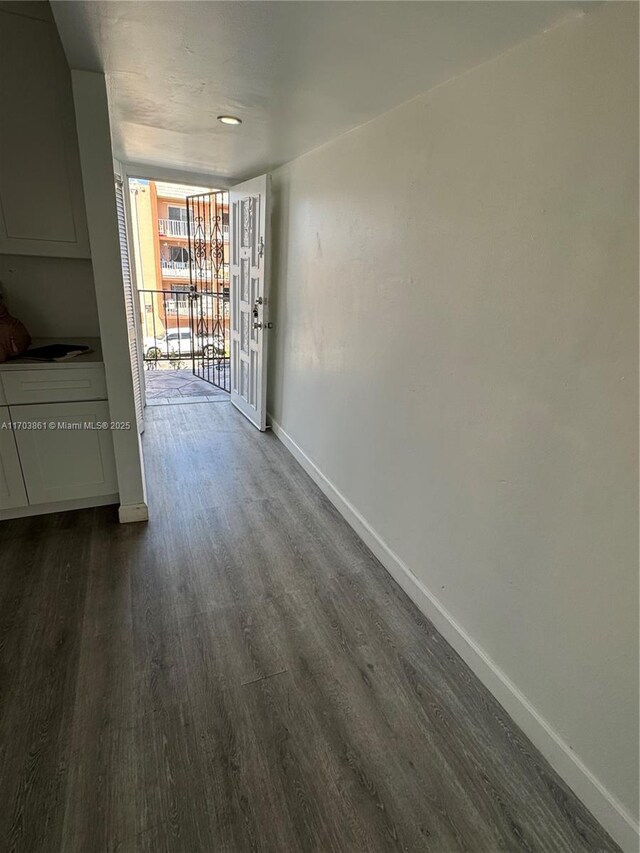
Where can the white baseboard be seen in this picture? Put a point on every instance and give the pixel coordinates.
(602, 804)
(129, 513)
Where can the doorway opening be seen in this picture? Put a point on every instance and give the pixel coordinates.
(195, 271)
(180, 258)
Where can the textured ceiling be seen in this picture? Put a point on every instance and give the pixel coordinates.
(298, 74)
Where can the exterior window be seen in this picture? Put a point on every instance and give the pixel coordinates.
(178, 253)
(178, 214)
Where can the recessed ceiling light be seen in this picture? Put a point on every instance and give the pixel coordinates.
(230, 120)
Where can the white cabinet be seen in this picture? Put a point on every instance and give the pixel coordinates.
(51, 385)
(12, 491)
(41, 196)
(56, 444)
(69, 456)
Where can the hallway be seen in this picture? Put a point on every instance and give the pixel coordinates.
(242, 674)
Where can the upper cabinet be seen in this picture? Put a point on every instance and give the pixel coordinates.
(41, 197)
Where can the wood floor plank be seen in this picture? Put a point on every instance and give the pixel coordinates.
(39, 655)
(102, 740)
(241, 674)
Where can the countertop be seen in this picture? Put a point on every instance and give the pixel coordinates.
(90, 358)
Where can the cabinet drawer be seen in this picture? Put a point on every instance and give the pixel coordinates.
(71, 460)
(54, 385)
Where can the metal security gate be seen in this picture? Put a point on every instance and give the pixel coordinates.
(208, 233)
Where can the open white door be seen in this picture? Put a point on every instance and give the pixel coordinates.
(249, 215)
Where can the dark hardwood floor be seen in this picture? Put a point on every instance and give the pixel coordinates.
(241, 674)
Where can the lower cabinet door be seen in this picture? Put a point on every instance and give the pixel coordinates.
(12, 491)
(66, 452)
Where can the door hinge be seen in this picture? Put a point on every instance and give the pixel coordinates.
(261, 247)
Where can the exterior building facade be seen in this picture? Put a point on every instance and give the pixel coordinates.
(161, 250)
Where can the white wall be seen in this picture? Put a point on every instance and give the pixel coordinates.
(455, 298)
(96, 161)
(54, 297)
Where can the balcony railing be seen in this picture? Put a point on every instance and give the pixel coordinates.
(179, 228)
(174, 269)
(172, 228)
(177, 306)
(180, 270)
(186, 332)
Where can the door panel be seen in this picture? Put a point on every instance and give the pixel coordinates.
(249, 205)
(41, 200)
(71, 461)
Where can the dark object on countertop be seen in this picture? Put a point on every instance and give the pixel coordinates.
(14, 338)
(56, 352)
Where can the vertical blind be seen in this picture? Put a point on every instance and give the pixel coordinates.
(130, 303)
